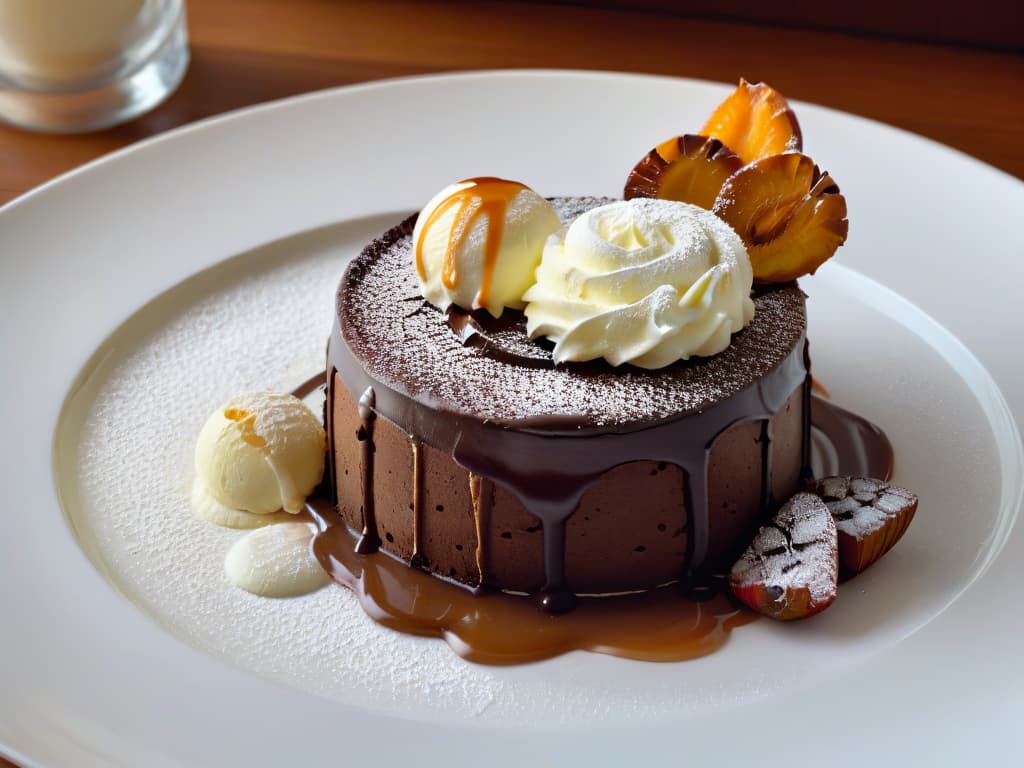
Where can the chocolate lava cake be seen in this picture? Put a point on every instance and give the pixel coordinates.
(457, 445)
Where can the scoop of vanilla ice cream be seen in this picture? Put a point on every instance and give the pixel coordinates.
(261, 452)
(477, 243)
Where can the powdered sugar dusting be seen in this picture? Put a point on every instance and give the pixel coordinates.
(862, 521)
(406, 343)
(796, 550)
(863, 505)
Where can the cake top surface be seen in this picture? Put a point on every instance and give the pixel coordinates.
(489, 370)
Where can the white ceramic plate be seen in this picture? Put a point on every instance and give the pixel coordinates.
(121, 643)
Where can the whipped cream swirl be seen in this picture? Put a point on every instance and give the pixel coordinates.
(641, 281)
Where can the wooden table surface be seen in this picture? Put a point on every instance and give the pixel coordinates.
(245, 53)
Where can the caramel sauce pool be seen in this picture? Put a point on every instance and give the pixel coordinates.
(496, 628)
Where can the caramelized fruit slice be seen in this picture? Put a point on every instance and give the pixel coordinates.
(790, 570)
(870, 516)
(790, 215)
(755, 121)
(688, 168)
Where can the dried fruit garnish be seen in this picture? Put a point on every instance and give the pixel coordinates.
(790, 570)
(789, 214)
(755, 121)
(870, 516)
(690, 169)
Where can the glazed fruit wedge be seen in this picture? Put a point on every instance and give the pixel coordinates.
(790, 215)
(870, 516)
(790, 571)
(691, 169)
(755, 121)
(747, 167)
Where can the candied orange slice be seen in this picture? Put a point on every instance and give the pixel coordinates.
(755, 121)
(690, 169)
(790, 215)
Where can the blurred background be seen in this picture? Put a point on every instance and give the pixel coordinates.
(951, 72)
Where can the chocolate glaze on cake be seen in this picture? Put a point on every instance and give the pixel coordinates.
(458, 446)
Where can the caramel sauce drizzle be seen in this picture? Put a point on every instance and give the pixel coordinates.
(481, 492)
(417, 502)
(488, 196)
(247, 425)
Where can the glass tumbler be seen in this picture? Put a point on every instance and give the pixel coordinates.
(81, 65)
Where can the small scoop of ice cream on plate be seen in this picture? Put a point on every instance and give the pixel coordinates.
(257, 455)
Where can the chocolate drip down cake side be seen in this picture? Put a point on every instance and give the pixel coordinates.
(458, 445)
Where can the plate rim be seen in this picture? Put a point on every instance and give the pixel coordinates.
(34, 196)
(285, 102)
